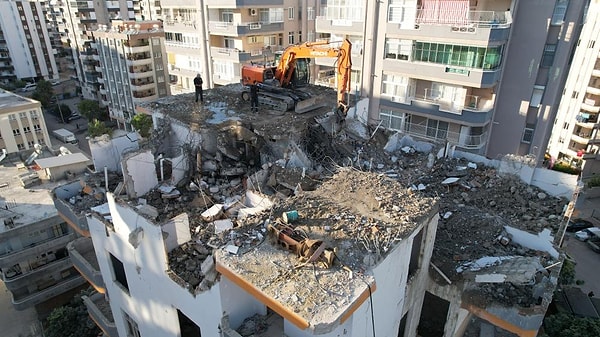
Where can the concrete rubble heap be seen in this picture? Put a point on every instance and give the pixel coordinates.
(357, 195)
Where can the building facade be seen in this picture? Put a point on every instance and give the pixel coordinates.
(33, 256)
(22, 123)
(456, 71)
(575, 138)
(133, 66)
(28, 54)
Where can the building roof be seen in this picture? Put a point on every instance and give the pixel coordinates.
(11, 101)
(23, 205)
(69, 159)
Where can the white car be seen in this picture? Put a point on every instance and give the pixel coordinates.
(585, 234)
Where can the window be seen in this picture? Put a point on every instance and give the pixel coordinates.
(26, 129)
(394, 120)
(437, 129)
(270, 15)
(528, 133)
(227, 16)
(291, 13)
(548, 56)
(415, 254)
(457, 55)
(20, 146)
(187, 327)
(560, 9)
(12, 117)
(33, 114)
(16, 132)
(395, 87)
(37, 128)
(252, 39)
(396, 11)
(311, 36)
(22, 115)
(342, 10)
(131, 326)
(291, 37)
(120, 277)
(310, 13)
(397, 49)
(536, 96)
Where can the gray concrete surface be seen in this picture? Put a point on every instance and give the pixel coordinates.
(588, 264)
(15, 323)
(78, 127)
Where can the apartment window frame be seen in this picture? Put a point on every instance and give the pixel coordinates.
(396, 11)
(528, 133)
(395, 87)
(131, 326)
(16, 132)
(290, 13)
(398, 49)
(537, 95)
(291, 38)
(548, 55)
(119, 273)
(560, 10)
(310, 13)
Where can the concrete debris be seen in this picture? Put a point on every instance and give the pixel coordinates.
(286, 158)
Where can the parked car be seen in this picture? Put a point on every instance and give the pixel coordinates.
(585, 234)
(55, 82)
(29, 87)
(594, 242)
(578, 224)
(74, 116)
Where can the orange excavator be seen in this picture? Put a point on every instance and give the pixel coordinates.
(279, 86)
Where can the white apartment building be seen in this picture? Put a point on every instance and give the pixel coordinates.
(22, 123)
(575, 137)
(26, 49)
(133, 66)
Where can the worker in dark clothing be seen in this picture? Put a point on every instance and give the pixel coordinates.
(198, 84)
(254, 97)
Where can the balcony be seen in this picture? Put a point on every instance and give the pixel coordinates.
(99, 310)
(144, 97)
(14, 280)
(63, 286)
(238, 3)
(591, 90)
(478, 27)
(85, 261)
(244, 28)
(35, 249)
(141, 85)
(138, 61)
(180, 25)
(324, 25)
(468, 77)
(234, 55)
(140, 72)
(580, 139)
(590, 106)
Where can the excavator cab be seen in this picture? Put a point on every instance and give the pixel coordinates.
(301, 75)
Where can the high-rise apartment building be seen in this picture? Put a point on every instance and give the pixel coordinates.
(81, 19)
(217, 38)
(26, 48)
(133, 66)
(482, 75)
(22, 123)
(575, 137)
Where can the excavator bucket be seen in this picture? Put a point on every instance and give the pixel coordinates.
(310, 104)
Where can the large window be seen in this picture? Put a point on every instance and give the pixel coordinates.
(119, 272)
(398, 49)
(269, 15)
(437, 129)
(394, 120)
(397, 10)
(395, 87)
(536, 96)
(224, 70)
(345, 10)
(560, 9)
(456, 55)
(548, 56)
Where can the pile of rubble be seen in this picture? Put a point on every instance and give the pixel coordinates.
(286, 157)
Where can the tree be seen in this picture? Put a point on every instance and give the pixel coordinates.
(71, 320)
(564, 324)
(92, 110)
(567, 272)
(43, 93)
(97, 128)
(143, 124)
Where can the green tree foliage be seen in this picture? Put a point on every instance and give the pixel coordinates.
(43, 93)
(71, 320)
(97, 128)
(562, 324)
(567, 272)
(143, 124)
(92, 110)
(62, 111)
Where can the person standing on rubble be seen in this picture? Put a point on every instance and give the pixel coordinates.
(254, 97)
(198, 84)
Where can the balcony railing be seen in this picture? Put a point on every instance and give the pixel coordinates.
(471, 102)
(480, 19)
(85, 261)
(63, 286)
(101, 313)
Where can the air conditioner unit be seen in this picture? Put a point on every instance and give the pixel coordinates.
(253, 11)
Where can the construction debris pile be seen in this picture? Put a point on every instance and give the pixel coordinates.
(287, 159)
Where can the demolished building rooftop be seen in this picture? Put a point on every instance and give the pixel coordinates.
(496, 238)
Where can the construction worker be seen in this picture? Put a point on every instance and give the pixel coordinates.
(254, 97)
(198, 84)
